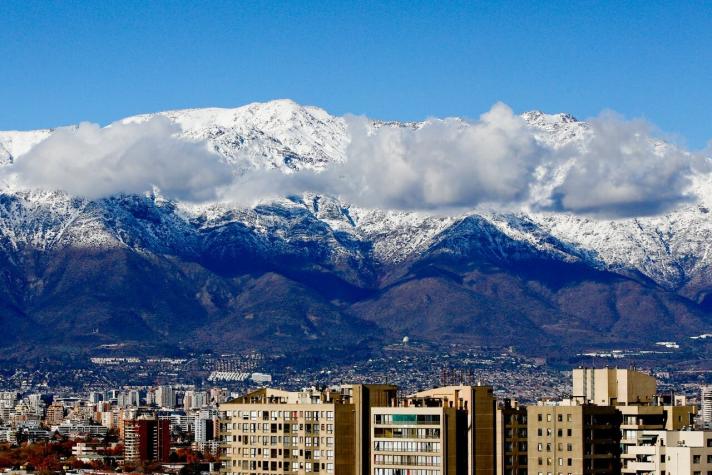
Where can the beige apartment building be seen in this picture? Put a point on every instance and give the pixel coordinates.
(633, 393)
(613, 386)
(273, 431)
(569, 438)
(360, 429)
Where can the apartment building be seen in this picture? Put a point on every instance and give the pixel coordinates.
(303, 432)
(633, 393)
(673, 453)
(146, 438)
(418, 439)
(511, 438)
(570, 438)
(612, 386)
(476, 409)
(55, 414)
(364, 397)
(706, 400)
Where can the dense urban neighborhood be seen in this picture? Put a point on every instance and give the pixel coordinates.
(603, 420)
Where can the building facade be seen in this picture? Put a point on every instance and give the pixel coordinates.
(511, 439)
(269, 431)
(415, 440)
(476, 410)
(146, 439)
(573, 439)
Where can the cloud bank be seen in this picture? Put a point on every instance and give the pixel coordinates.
(616, 169)
(443, 164)
(95, 162)
(623, 171)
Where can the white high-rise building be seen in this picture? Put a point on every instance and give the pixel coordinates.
(193, 400)
(95, 397)
(8, 398)
(36, 403)
(707, 406)
(165, 397)
(203, 429)
(134, 398)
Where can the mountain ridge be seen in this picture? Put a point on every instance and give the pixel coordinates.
(342, 275)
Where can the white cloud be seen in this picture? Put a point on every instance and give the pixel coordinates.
(440, 166)
(619, 170)
(623, 171)
(95, 162)
(443, 164)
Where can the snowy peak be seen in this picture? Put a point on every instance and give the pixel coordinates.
(556, 130)
(541, 119)
(276, 134)
(14, 143)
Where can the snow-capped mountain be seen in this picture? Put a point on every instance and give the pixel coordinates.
(279, 134)
(313, 265)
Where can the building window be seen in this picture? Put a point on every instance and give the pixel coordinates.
(696, 458)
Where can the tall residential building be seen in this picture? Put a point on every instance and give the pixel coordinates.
(361, 429)
(706, 398)
(476, 409)
(95, 397)
(165, 397)
(673, 453)
(36, 403)
(55, 414)
(304, 432)
(417, 439)
(511, 433)
(203, 429)
(612, 386)
(572, 438)
(364, 397)
(111, 394)
(128, 398)
(633, 393)
(8, 398)
(146, 439)
(194, 400)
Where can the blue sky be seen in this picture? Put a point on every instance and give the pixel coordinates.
(65, 62)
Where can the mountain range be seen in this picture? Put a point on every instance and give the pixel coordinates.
(313, 272)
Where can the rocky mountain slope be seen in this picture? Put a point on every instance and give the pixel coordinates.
(314, 272)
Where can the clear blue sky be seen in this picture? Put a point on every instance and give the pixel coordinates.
(65, 61)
